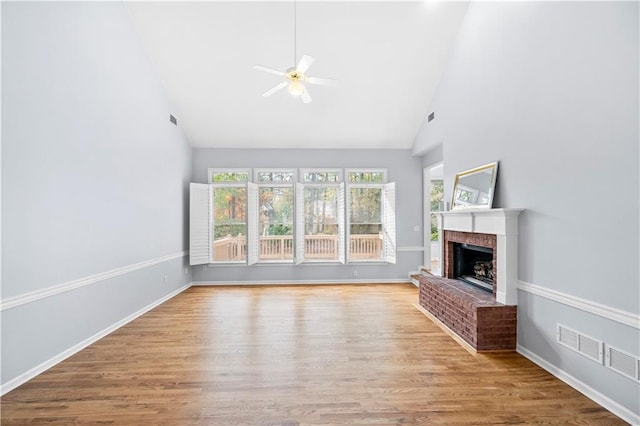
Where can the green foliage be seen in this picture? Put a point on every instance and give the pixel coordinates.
(437, 192)
(365, 177)
(279, 229)
(320, 208)
(230, 205)
(224, 231)
(366, 205)
(366, 228)
(434, 233)
(276, 204)
(230, 177)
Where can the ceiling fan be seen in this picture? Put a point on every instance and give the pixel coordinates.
(295, 77)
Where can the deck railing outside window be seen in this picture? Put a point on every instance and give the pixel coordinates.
(279, 247)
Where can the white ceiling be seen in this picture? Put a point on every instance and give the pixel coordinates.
(386, 56)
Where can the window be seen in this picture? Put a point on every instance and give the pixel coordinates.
(225, 222)
(275, 176)
(321, 176)
(371, 216)
(320, 211)
(229, 221)
(229, 175)
(281, 219)
(229, 224)
(366, 176)
(275, 205)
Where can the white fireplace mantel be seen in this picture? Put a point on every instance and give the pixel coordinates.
(503, 223)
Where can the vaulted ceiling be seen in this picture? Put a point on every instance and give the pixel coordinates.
(387, 58)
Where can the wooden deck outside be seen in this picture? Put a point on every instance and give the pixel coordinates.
(308, 355)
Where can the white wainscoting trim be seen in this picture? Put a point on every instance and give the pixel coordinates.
(617, 409)
(411, 248)
(608, 312)
(28, 375)
(306, 282)
(32, 296)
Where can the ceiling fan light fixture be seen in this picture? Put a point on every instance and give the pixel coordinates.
(296, 88)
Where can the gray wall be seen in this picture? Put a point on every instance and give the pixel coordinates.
(94, 177)
(551, 91)
(403, 169)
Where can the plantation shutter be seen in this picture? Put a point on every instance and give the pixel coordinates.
(200, 223)
(347, 224)
(389, 222)
(299, 224)
(342, 255)
(253, 225)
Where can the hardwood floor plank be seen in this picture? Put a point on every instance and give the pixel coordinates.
(294, 355)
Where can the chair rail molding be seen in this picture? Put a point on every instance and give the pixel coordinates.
(32, 296)
(614, 314)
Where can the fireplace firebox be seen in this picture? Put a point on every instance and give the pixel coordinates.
(474, 265)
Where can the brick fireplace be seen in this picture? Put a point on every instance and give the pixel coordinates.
(486, 320)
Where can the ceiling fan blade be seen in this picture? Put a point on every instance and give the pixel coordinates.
(306, 97)
(321, 81)
(274, 89)
(305, 63)
(271, 70)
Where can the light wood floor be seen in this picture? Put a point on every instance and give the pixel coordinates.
(330, 355)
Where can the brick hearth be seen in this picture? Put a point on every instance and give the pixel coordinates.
(471, 313)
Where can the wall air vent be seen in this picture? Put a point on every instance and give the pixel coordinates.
(568, 337)
(431, 117)
(623, 363)
(578, 342)
(173, 119)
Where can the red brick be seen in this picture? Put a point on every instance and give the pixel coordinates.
(471, 313)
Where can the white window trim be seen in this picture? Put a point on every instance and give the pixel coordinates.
(387, 219)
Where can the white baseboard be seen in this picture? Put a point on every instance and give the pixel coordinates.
(304, 282)
(603, 400)
(28, 375)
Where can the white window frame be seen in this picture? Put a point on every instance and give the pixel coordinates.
(300, 221)
(256, 238)
(202, 222)
(214, 186)
(388, 215)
